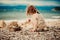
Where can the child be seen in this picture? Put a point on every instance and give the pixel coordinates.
(35, 19)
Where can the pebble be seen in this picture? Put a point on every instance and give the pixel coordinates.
(52, 34)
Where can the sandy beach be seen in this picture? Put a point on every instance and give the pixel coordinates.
(29, 19)
(49, 22)
(53, 32)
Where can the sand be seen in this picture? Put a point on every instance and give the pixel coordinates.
(53, 32)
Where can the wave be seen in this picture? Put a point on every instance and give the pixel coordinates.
(23, 7)
(56, 17)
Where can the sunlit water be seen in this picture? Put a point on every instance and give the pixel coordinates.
(21, 13)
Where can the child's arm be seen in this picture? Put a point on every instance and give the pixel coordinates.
(26, 22)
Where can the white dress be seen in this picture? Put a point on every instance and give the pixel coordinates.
(37, 21)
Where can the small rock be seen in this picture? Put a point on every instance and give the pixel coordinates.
(2, 24)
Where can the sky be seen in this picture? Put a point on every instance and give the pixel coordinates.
(32, 2)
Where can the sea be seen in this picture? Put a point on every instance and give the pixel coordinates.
(18, 12)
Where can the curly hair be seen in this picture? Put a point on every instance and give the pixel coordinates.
(31, 10)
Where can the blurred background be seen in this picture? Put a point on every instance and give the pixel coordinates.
(16, 9)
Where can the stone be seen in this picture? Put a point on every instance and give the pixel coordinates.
(2, 24)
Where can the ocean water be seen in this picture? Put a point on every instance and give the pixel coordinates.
(19, 12)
